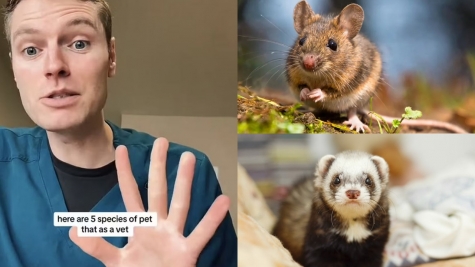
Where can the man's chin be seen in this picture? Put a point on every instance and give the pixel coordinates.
(58, 125)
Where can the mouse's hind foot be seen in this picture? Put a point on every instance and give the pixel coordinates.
(355, 123)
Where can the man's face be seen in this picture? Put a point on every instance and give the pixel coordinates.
(60, 61)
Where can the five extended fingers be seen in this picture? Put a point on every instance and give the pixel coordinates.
(108, 254)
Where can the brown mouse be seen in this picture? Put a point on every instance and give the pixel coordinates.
(332, 66)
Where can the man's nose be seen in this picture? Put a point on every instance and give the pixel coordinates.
(55, 63)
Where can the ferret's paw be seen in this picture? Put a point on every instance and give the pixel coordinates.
(304, 94)
(356, 124)
(316, 95)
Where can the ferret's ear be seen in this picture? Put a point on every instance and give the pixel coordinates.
(382, 167)
(303, 16)
(324, 165)
(350, 20)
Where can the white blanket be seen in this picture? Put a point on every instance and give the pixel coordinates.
(441, 208)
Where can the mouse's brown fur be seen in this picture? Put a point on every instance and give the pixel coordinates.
(348, 76)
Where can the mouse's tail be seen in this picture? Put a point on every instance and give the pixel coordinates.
(418, 123)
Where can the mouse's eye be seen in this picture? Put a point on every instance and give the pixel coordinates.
(332, 44)
(368, 181)
(302, 41)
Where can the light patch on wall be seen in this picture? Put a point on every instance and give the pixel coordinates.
(216, 171)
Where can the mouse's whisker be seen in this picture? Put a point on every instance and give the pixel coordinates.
(252, 39)
(282, 72)
(270, 22)
(266, 52)
(258, 68)
(273, 74)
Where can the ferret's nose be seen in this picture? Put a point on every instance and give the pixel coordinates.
(353, 194)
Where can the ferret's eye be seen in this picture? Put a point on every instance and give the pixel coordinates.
(368, 181)
(337, 180)
(302, 41)
(332, 44)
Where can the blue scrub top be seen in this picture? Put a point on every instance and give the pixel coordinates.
(30, 194)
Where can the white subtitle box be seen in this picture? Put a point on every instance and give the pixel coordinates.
(118, 224)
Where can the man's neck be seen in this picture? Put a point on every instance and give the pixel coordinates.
(92, 148)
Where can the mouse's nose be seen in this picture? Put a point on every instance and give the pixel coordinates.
(353, 194)
(310, 61)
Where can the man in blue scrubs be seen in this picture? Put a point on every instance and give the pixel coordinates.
(62, 53)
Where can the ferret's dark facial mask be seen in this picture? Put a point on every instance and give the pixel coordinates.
(352, 182)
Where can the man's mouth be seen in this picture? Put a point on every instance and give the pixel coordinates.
(61, 94)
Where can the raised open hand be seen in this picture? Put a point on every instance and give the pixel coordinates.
(163, 245)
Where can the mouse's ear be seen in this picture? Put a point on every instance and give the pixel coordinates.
(350, 20)
(303, 16)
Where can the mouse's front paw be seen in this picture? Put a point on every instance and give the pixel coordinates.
(304, 94)
(316, 95)
(355, 124)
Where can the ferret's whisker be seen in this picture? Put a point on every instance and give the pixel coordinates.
(331, 216)
(376, 203)
(372, 215)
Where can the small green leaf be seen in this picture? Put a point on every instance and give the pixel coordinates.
(396, 123)
(411, 114)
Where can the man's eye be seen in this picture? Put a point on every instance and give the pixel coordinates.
(80, 45)
(30, 51)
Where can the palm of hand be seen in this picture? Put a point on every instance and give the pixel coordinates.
(158, 248)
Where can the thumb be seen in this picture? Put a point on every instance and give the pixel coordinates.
(97, 247)
(207, 227)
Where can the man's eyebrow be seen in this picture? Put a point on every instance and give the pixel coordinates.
(24, 31)
(82, 21)
(74, 22)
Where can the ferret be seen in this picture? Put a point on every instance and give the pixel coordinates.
(341, 217)
(332, 67)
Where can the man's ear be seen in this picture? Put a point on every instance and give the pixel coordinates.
(112, 58)
(10, 56)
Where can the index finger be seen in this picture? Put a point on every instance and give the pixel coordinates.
(127, 184)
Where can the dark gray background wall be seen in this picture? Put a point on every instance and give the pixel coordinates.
(174, 58)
